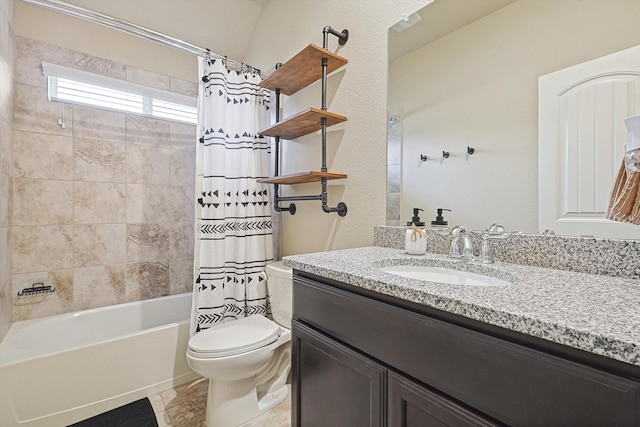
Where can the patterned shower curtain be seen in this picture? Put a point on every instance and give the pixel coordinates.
(233, 237)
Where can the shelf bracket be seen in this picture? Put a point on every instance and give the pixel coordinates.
(342, 36)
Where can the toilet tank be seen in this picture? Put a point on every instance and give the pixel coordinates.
(279, 286)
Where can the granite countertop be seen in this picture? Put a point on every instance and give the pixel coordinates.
(596, 313)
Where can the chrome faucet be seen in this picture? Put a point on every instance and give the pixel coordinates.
(464, 252)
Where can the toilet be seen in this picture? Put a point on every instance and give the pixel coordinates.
(247, 361)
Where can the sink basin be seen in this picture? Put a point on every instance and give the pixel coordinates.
(444, 275)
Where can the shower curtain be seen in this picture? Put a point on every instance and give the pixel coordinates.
(233, 236)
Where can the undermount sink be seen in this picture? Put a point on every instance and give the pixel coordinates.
(444, 275)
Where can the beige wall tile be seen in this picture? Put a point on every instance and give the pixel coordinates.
(42, 248)
(183, 168)
(99, 202)
(119, 168)
(148, 131)
(183, 136)
(147, 242)
(147, 165)
(42, 202)
(181, 275)
(147, 280)
(5, 202)
(42, 156)
(182, 204)
(33, 112)
(148, 203)
(6, 147)
(99, 161)
(7, 55)
(6, 91)
(94, 123)
(5, 280)
(99, 244)
(59, 301)
(148, 78)
(181, 239)
(184, 87)
(29, 57)
(101, 66)
(98, 286)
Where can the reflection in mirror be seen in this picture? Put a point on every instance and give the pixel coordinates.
(466, 75)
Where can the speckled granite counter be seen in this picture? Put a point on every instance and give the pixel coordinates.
(596, 313)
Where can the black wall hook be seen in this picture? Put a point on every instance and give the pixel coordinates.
(423, 157)
(445, 154)
(470, 150)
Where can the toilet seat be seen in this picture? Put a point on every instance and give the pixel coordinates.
(233, 338)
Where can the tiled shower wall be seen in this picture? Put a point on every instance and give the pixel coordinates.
(7, 50)
(102, 200)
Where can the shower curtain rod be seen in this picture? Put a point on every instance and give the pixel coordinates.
(137, 30)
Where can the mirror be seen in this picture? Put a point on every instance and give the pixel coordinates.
(466, 77)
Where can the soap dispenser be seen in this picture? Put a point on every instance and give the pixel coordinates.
(439, 224)
(415, 242)
(416, 218)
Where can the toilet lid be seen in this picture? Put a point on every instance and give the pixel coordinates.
(235, 337)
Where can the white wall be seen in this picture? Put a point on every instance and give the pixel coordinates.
(359, 91)
(478, 87)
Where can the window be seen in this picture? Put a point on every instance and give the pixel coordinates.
(80, 87)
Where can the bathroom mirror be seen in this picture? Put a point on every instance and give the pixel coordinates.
(465, 78)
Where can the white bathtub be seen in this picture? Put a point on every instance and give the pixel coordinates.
(62, 369)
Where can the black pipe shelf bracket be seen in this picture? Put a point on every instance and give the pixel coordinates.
(309, 65)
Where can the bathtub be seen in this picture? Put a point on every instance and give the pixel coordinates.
(58, 370)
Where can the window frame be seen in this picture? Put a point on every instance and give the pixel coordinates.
(59, 76)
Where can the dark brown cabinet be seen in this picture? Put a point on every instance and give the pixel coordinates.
(336, 386)
(438, 370)
(412, 405)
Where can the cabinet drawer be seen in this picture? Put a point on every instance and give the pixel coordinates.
(509, 382)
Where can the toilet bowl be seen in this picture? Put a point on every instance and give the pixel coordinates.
(247, 361)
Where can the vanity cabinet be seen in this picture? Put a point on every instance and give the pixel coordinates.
(360, 355)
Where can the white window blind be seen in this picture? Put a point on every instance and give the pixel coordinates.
(80, 87)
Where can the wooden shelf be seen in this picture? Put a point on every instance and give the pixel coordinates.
(302, 70)
(303, 123)
(301, 178)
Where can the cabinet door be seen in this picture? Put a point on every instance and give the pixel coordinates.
(411, 405)
(333, 385)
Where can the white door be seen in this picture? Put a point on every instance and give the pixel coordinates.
(581, 134)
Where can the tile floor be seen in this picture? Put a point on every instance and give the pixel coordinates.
(184, 406)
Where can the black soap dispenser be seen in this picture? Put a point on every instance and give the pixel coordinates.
(439, 222)
(416, 218)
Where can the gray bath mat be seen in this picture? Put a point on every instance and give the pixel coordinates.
(135, 414)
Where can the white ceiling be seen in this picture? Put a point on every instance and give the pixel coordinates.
(223, 26)
(439, 19)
